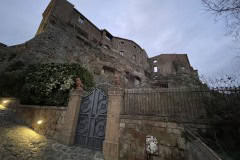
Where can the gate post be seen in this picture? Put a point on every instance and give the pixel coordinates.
(71, 117)
(111, 143)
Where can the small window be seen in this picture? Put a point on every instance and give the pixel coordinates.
(109, 36)
(121, 53)
(164, 85)
(80, 20)
(122, 42)
(155, 69)
(155, 61)
(135, 47)
(134, 57)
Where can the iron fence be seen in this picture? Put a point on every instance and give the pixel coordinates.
(182, 103)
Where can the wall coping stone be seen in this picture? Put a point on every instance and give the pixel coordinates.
(43, 107)
(157, 90)
(115, 91)
(164, 119)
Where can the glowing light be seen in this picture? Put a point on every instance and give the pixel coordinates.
(5, 101)
(39, 122)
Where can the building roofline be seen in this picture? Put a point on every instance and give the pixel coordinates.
(105, 29)
(130, 41)
(175, 54)
(87, 19)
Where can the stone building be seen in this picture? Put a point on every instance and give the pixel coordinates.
(65, 35)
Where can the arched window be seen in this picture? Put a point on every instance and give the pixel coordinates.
(106, 47)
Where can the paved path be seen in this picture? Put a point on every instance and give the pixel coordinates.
(18, 142)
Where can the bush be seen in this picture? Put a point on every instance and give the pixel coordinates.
(46, 84)
(11, 84)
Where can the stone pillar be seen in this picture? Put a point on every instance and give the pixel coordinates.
(111, 143)
(71, 117)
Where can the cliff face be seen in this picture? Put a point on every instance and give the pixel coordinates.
(60, 43)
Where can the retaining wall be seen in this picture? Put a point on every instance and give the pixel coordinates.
(50, 117)
(132, 138)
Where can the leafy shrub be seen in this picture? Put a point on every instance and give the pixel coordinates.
(12, 56)
(45, 84)
(18, 65)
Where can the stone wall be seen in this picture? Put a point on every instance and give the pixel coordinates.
(66, 13)
(133, 132)
(51, 118)
(173, 71)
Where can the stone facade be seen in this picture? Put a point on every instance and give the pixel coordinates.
(133, 132)
(88, 30)
(51, 119)
(172, 71)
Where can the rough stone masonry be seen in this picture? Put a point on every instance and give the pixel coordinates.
(67, 36)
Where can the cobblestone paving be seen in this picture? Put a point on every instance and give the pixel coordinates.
(18, 142)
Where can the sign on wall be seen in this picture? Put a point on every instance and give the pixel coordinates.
(152, 145)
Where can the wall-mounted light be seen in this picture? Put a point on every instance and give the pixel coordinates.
(39, 122)
(5, 101)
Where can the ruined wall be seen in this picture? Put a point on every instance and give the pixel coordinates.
(133, 132)
(169, 64)
(52, 119)
(171, 70)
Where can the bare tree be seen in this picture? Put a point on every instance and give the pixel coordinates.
(227, 10)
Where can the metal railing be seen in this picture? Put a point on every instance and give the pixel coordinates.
(197, 149)
(180, 103)
(164, 103)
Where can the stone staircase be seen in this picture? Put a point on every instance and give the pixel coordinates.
(6, 115)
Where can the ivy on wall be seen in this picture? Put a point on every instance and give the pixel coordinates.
(46, 84)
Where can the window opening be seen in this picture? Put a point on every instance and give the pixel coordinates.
(106, 47)
(80, 20)
(121, 53)
(109, 36)
(134, 57)
(155, 69)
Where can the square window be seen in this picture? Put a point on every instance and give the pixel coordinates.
(121, 53)
(80, 20)
(155, 69)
